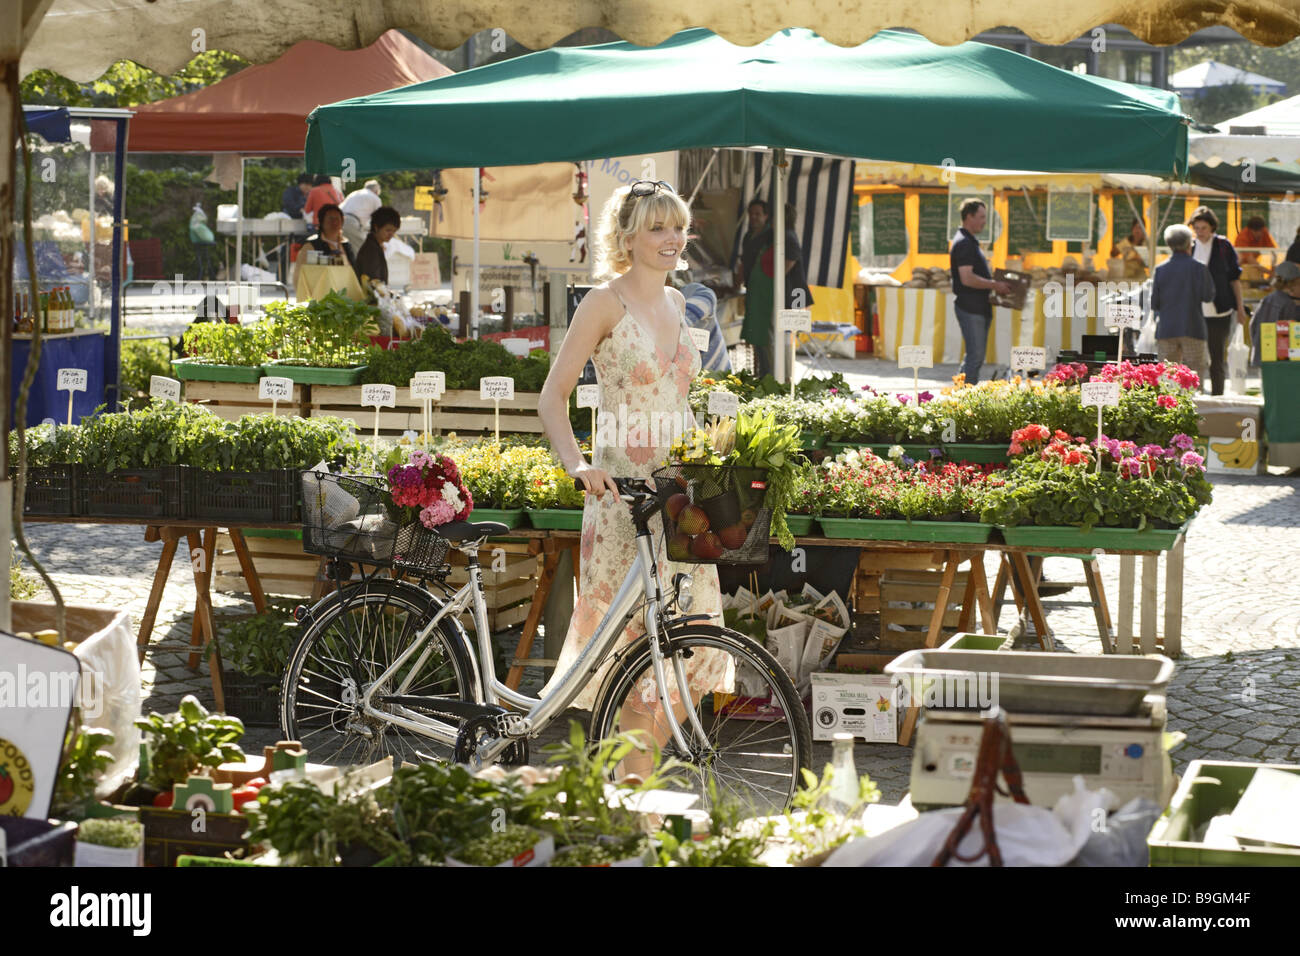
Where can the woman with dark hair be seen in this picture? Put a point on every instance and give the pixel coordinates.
(371, 264)
(1216, 253)
(1131, 251)
(330, 239)
(322, 194)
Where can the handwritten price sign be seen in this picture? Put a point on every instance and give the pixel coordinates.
(1101, 394)
(588, 396)
(701, 339)
(168, 389)
(915, 356)
(794, 320)
(498, 388)
(274, 389)
(1026, 357)
(1126, 315)
(428, 385)
(378, 396)
(724, 404)
(72, 380)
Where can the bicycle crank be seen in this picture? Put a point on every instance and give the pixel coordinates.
(479, 730)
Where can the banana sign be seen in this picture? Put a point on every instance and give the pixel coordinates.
(1234, 441)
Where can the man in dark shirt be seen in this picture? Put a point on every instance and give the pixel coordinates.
(1178, 289)
(294, 196)
(971, 282)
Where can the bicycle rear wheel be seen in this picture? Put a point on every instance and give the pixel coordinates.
(345, 649)
(756, 743)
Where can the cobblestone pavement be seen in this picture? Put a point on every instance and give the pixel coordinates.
(1235, 691)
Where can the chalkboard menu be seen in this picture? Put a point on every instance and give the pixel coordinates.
(889, 226)
(1069, 215)
(933, 226)
(1026, 226)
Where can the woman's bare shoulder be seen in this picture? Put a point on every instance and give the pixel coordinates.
(601, 305)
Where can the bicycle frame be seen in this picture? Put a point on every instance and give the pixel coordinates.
(641, 585)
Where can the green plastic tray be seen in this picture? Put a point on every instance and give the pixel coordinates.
(916, 452)
(193, 371)
(876, 529)
(561, 519)
(977, 454)
(1209, 788)
(799, 524)
(1119, 539)
(511, 518)
(811, 440)
(977, 642)
(311, 375)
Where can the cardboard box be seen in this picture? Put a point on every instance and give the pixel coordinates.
(859, 704)
(1268, 341)
(1233, 439)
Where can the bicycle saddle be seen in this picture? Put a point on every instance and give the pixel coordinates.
(458, 532)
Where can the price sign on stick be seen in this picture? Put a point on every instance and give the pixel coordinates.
(589, 397)
(496, 389)
(701, 339)
(793, 321)
(377, 397)
(1101, 394)
(168, 389)
(72, 380)
(916, 357)
(427, 388)
(517, 346)
(1026, 357)
(275, 389)
(1124, 315)
(723, 404)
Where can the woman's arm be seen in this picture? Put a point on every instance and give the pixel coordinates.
(593, 320)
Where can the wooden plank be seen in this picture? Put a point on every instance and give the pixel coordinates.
(325, 395)
(897, 560)
(868, 605)
(1173, 631)
(939, 618)
(1150, 568)
(902, 640)
(1124, 633)
(921, 577)
(915, 616)
(170, 538)
(919, 593)
(235, 392)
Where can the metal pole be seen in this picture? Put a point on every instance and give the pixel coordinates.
(473, 289)
(239, 227)
(778, 265)
(90, 259)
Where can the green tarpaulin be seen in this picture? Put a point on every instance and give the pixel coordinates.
(1260, 179)
(895, 97)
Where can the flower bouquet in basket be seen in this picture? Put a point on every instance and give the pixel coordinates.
(426, 488)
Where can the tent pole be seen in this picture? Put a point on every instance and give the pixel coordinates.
(9, 111)
(90, 259)
(778, 266)
(472, 324)
(239, 229)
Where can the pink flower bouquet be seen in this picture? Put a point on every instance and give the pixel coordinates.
(428, 488)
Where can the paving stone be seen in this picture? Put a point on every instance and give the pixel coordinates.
(1219, 741)
(1266, 732)
(1247, 748)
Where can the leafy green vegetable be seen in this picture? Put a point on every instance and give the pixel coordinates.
(182, 742)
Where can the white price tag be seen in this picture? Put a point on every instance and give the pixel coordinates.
(243, 295)
(701, 338)
(724, 404)
(274, 389)
(589, 396)
(794, 320)
(168, 389)
(1028, 357)
(1101, 394)
(496, 388)
(427, 385)
(915, 356)
(378, 396)
(517, 347)
(72, 379)
(1126, 315)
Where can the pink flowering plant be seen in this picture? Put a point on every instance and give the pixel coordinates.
(1059, 479)
(426, 487)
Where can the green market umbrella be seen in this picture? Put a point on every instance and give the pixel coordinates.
(1264, 178)
(895, 97)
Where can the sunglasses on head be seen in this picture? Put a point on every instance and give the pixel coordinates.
(644, 187)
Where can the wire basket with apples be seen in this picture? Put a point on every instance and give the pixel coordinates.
(714, 514)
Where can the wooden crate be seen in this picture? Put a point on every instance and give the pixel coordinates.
(460, 410)
(919, 590)
(233, 400)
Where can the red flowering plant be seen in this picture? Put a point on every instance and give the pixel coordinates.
(426, 487)
(1056, 479)
(859, 484)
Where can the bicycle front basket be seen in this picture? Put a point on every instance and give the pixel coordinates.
(714, 514)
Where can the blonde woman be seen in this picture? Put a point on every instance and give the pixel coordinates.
(633, 329)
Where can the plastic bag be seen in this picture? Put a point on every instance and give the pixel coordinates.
(1147, 337)
(1238, 359)
(199, 231)
(1123, 840)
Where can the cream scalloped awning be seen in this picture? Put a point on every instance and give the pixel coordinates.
(82, 38)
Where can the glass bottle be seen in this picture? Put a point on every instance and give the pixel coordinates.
(843, 795)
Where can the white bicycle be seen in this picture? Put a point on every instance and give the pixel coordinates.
(385, 667)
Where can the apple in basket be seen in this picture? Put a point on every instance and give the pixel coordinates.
(692, 520)
(679, 548)
(748, 517)
(707, 546)
(674, 505)
(733, 537)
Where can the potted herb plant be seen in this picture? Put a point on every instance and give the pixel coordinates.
(110, 842)
(223, 352)
(254, 651)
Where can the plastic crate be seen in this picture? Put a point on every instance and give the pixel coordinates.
(134, 493)
(254, 700)
(714, 514)
(245, 495)
(51, 491)
(1209, 788)
(38, 842)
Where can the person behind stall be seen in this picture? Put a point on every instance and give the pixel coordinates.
(295, 196)
(760, 288)
(203, 240)
(358, 207)
(1130, 250)
(1280, 305)
(1293, 251)
(1254, 236)
(330, 239)
(371, 263)
(322, 194)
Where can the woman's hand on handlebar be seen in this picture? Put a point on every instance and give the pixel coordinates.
(593, 480)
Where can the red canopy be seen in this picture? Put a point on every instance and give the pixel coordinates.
(263, 109)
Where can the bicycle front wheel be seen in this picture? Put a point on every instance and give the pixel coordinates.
(756, 741)
(352, 640)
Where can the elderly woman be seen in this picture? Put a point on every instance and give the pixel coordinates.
(1280, 305)
(330, 239)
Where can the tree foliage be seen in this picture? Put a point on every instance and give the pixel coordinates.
(127, 83)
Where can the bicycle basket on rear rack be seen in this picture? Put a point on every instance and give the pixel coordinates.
(346, 516)
(714, 514)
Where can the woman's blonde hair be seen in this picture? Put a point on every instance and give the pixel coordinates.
(624, 216)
